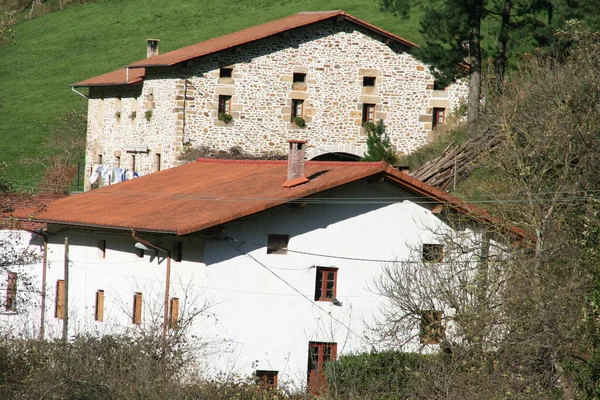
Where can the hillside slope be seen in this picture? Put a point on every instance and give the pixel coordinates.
(57, 49)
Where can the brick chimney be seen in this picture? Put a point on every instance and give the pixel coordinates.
(152, 49)
(295, 175)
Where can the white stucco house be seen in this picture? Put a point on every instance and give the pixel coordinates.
(318, 76)
(274, 260)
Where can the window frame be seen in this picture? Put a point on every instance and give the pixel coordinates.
(431, 328)
(297, 103)
(224, 106)
(316, 368)
(321, 284)
(273, 243)
(438, 112)
(368, 113)
(266, 379)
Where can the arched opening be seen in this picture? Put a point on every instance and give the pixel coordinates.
(336, 156)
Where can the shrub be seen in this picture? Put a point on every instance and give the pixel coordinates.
(227, 118)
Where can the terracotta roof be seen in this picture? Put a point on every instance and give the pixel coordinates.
(210, 192)
(115, 78)
(232, 40)
(198, 195)
(11, 203)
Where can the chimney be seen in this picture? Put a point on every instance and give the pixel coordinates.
(295, 174)
(152, 49)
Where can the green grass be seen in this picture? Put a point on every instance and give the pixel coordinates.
(79, 42)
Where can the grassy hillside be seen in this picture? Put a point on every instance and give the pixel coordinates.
(63, 47)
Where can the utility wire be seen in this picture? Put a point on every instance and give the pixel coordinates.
(299, 292)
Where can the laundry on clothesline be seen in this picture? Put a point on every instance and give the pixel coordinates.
(109, 175)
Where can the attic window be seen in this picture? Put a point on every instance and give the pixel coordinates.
(277, 244)
(225, 72)
(299, 77)
(369, 81)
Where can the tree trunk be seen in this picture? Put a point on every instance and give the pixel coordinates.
(501, 58)
(475, 59)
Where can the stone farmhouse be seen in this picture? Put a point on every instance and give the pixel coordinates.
(318, 76)
(267, 262)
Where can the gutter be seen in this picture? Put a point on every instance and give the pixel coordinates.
(79, 93)
(167, 277)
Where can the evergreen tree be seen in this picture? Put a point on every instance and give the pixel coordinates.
(379, 147)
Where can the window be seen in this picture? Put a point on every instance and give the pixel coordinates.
(176, 251)
(368, 81)
(368, 114)
(225, 72)
(326, 282)
(432, 331)
(174, 313)
(277, 244)
(224, 104)
(439, 116)
(137, 309)
(297, 108)
(318, 354)
(59, 308)
(133, 162)
(101, 248)
(299, 77)
(11, 292)
(99, 315)
(266, 379)
(432, 252)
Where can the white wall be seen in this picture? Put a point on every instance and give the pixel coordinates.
(254, 320)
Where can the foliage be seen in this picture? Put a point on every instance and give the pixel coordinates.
(227, 118)
(148, 115)
(7, 33)
(132, 115)
(378, 144)
(190, 154)
(376, 375)
(299, 121)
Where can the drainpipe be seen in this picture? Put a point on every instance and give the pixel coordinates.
(167, 277)
(79, 93)
(44, 269)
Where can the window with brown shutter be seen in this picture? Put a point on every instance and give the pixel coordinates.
(174, 313)
(99, 315)
(225, 104)
(266, 379)
(59, 308)
(439, 117)
(318, 354)
(368, 114)
(11, 292)
(137, 309)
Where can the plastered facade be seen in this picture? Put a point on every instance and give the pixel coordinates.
(177, 107)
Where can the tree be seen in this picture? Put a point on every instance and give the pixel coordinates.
(379, 147)
(523, 313)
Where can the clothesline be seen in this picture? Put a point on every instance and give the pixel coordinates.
(108, 175)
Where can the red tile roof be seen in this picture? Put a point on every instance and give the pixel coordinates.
(115, 78)
(232, 40)
(210, 192)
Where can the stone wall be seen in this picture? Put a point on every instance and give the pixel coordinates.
(335, 56)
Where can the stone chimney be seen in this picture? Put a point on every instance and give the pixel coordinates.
(152, 49)
(295, 175)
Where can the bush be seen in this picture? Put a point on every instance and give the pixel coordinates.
(377, 375)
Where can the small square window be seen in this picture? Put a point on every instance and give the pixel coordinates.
(297, 108)
(432, 252)
(432, 330)
(266, 379)
(439, 117)
(299, 77)
(326, 284)
(368, 114)
(277, 244)
(224, 104)
(368, 81)
(225, 72)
